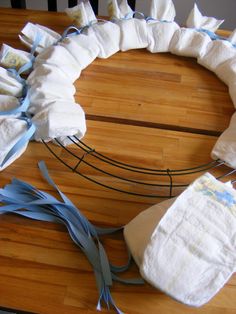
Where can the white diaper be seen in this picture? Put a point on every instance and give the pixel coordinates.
(59, 119)
(225, 147)
(232, 92)
(191, 42)
(8, 103)
(189, 252)
(226, 71)
(11, 130)
(13, 58)
(32, 32)
(60, 57)
(81, 14)
(9, 85)
(82, 48)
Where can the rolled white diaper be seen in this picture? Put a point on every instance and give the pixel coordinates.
(35, 32)
(11, 130)
(225, 147)
(191, 41)
(190, 252)
(60, 57)
(8, 103)
(232, 92)
(13, 58)
(82, 14)
(161, 26)
(60, 119)
(82, 48)
(217, 52)
(226, 71)
(9, 85)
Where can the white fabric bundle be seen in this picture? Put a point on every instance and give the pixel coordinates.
(232, 92)
(8, 103)
(11, 130)
(33, 32)
(82, 48)
(191, 42)
(217, 52)
(9, 85)
(226, 71)
(161, 27)
(134, 33)
(60, 57)
(59, 119)
(13, 58)
(107, 35)
(225, 147)
(190, 252)
(81, 14)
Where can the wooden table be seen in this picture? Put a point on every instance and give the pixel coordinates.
(157, 111)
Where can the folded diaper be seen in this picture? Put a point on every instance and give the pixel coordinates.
(226, 71)
(11, 131)
(82, 48)
(232, 92)
(8, 103)
(59, 119)
(225, 147)
(191, 41)
(217, 52)
(13, 58)
(161, 26)
(190, 252)
(35, 32)
(81, 14)
(60, 57)
(9, 85)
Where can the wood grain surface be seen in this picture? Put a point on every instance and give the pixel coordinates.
(157, 111)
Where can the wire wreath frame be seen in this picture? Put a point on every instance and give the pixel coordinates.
(166, 190)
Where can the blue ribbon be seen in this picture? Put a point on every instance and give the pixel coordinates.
(23, 199)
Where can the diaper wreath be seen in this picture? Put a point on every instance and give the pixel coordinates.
(194, 234)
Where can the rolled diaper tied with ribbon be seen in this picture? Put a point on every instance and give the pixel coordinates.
(193, 40)
(10, 84)
(13, 58)
(160, 25)
(225, 147)
(232, 92)
(59, 119)
(82, 48)
(60, 57)
(218, 51)
(134, 33)
(8, 104)
(226, 71)
(35, 32)
(104, 33)
(190, 252)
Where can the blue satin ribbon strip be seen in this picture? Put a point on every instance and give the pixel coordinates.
(23, 199)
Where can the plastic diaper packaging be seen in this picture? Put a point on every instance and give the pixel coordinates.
(193, 41)
(161, 26)
(217, 52)
(134, 33)
(187, 247)
(33, 33)
(9, 84)
(106, 34)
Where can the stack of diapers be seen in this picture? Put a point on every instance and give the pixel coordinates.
(193, 40)
(134, 34)
(186, 247)
(104, 33)
(161, 26)
(225, 147)
(9, 84)
(33, 33)
(217, 52)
